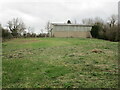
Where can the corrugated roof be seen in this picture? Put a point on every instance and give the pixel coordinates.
(64, 24)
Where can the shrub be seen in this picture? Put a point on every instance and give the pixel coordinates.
(111, 34)
(105, 32)
(95, 31)
(6, 34)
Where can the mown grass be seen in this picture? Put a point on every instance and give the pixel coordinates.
(59, 63)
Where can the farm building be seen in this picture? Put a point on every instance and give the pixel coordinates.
(70, 30)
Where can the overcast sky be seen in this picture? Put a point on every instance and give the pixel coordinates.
(35, 13)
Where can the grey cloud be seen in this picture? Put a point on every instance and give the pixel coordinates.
(36, 13)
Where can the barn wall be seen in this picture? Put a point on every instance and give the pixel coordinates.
(71, 34)
(71, 31)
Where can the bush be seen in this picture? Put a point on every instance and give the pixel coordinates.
(6, 34)
(95, 31)
(111, 34)
(105, 32)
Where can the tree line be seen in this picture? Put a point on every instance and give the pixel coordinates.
(16, 29)
(107, 30)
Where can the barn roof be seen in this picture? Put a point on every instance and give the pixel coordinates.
(65, 24)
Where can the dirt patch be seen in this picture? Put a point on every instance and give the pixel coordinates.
(96, 51)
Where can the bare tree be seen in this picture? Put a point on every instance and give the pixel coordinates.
(48, 27)
(31, 30)
(91, 21)
(16, 26)
(25, 34)
(41, 30)
(88, 21)
(113, 20)
(98, 20)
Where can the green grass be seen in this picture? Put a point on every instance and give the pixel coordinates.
(59, 63)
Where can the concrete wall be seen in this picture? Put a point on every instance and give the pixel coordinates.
(72, 34)
(71, 31)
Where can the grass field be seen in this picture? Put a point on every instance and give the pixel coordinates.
(59, 63)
